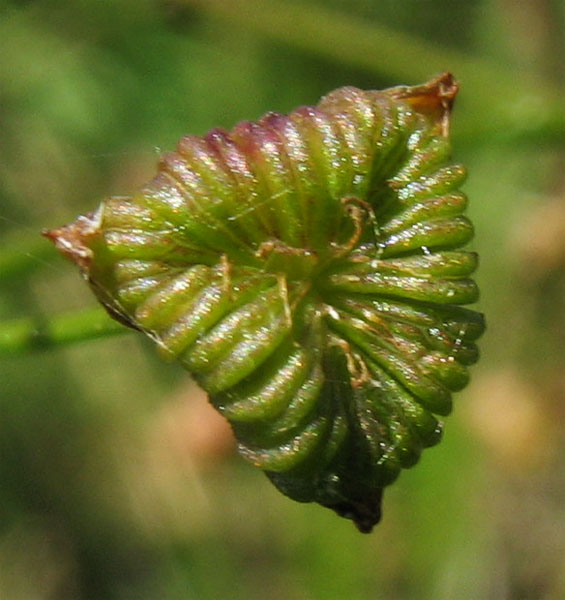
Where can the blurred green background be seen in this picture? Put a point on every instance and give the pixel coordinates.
(117, 481)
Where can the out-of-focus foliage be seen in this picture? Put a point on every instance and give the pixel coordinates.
(116, 481)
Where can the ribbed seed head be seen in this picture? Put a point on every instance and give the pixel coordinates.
(306, 270)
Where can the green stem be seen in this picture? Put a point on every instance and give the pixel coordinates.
(23, 255)
(30, 334)
(508, 103)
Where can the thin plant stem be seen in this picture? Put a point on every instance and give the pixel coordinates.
(30, 334)
(24, 255)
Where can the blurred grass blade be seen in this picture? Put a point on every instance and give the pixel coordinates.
(31, 334)
(500, 101)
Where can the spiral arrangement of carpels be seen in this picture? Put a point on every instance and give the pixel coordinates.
(306, 270)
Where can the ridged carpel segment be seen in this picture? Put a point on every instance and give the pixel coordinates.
(307, 270)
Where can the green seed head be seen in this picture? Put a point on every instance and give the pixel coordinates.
(306, 270)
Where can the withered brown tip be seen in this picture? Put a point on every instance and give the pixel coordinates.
(434, 99)
(72, 240)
